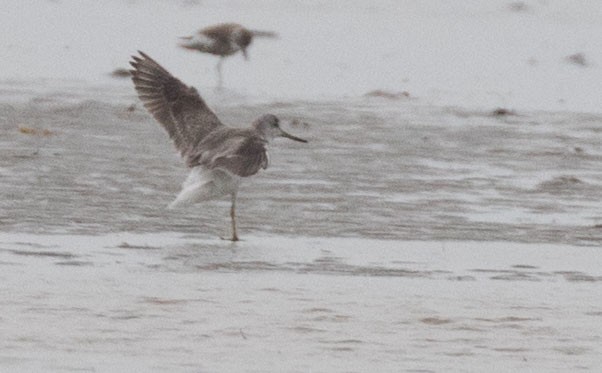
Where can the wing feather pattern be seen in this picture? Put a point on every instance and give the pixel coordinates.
(179, 108)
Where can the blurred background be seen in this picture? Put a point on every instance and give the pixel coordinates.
(532, 54)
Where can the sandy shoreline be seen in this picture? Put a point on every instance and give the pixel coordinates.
(176, 302)
(341, 269)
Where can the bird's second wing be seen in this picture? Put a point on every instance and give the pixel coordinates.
(239, 155)
(179, 108)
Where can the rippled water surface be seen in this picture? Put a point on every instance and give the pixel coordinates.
(372, 168)
(402, 237)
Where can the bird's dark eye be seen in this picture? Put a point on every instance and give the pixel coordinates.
(275, 124)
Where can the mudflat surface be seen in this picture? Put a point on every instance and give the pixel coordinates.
(403, 237)
(373, 168)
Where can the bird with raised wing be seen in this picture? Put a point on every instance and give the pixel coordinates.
(219, 156)
(223, 40)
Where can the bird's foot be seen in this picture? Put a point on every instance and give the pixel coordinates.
(232, 239)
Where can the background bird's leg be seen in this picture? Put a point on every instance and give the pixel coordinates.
(233, 217)
(219, 72)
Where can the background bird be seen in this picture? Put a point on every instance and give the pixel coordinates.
(219, 156)
(223, 40)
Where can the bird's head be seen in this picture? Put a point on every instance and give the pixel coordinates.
(269, 127)
(243, 38)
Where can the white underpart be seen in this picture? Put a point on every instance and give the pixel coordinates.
(203, 184)
(199, 39)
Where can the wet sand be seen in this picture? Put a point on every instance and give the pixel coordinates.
(403, 237)
(172, 302)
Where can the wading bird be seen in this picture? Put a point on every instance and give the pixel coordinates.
(223, 40)
(219, 156)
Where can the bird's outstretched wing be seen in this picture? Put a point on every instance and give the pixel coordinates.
(233, 150)
(179, 108)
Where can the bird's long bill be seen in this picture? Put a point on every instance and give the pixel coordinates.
(245, 54)
(264, 34)
(289, 136)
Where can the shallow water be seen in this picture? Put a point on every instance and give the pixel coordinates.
(373, 168)
(403, 237)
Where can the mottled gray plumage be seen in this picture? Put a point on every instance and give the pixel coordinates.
(218, 155)
(242, 152)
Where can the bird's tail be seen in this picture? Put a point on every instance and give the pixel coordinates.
(193, 194)
(198, 42)
(201, 185)
(198, 186)
(191, 43)
(187, 42)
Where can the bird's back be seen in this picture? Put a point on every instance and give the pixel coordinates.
(242, 152)
(223, 40)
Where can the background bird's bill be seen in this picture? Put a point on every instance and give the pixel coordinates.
(264, 34)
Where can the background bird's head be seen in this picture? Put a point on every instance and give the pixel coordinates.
(243, 38)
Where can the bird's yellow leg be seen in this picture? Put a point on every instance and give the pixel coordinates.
(219, 73)
(233, 217)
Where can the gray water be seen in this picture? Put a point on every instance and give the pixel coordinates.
(402, 237)
(372, 168)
